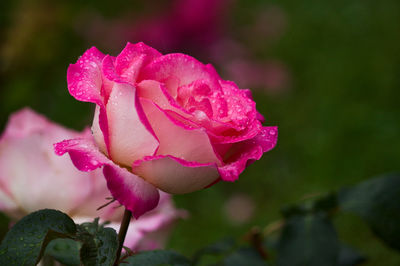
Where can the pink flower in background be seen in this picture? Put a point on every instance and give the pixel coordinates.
(186, 24)
(204, 28)
(239, 208)
(181, 25)
(32, 177)
(163, 122)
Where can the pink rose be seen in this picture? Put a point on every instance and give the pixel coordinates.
(163, 122)
(32, 177)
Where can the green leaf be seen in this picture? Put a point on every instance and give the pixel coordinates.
(99, 244)
(349, 257)
(64, 250)
(25, 243)
(243, 257)
(307, 241)
(377, 202)
(156, 258)
(218, 248)
(324, 203)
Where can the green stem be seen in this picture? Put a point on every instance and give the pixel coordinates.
(122, 233)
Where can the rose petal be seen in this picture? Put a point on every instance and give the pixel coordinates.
(6, 202)
(241, 108)
(233, 136)
(246, 152)
(23, 123)
(86, 84)
(130, 190)
(130, 139)
(174, 175)
(132, 58)
(84, 77)
(109, 71)
(26, 122)
(156, 92)
(29, 165)
(182, 142)
(98, 133)
(184, 67)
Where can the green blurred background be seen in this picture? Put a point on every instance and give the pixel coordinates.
(326, 72)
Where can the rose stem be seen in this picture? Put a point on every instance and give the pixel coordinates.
(122, 233)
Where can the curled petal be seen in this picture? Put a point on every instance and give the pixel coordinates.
(129, 62)
(84, 77)
(85, 83)
(174, 175)
(233, 136)
(157, 93)
(246, 152)
(109, 71)
(133, 192)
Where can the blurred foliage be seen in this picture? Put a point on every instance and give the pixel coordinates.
(305, 236)
(338, 117)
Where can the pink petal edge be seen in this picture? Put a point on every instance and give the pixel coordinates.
(187, 68)
(251, 150)
(133, 192)
(84, 77)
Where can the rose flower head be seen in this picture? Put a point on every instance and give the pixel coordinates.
(163, 122)
(32, 177)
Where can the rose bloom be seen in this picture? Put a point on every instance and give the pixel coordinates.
(32, 177)
(163, 122)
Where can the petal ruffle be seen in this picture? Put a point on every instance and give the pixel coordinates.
(133, 192)
(173, 66)
(246, 152)
(174, 175)
(129, 62)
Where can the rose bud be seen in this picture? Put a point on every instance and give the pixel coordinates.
(32, 177)
(163, 122)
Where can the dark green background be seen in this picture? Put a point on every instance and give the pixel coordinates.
(339, 120)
